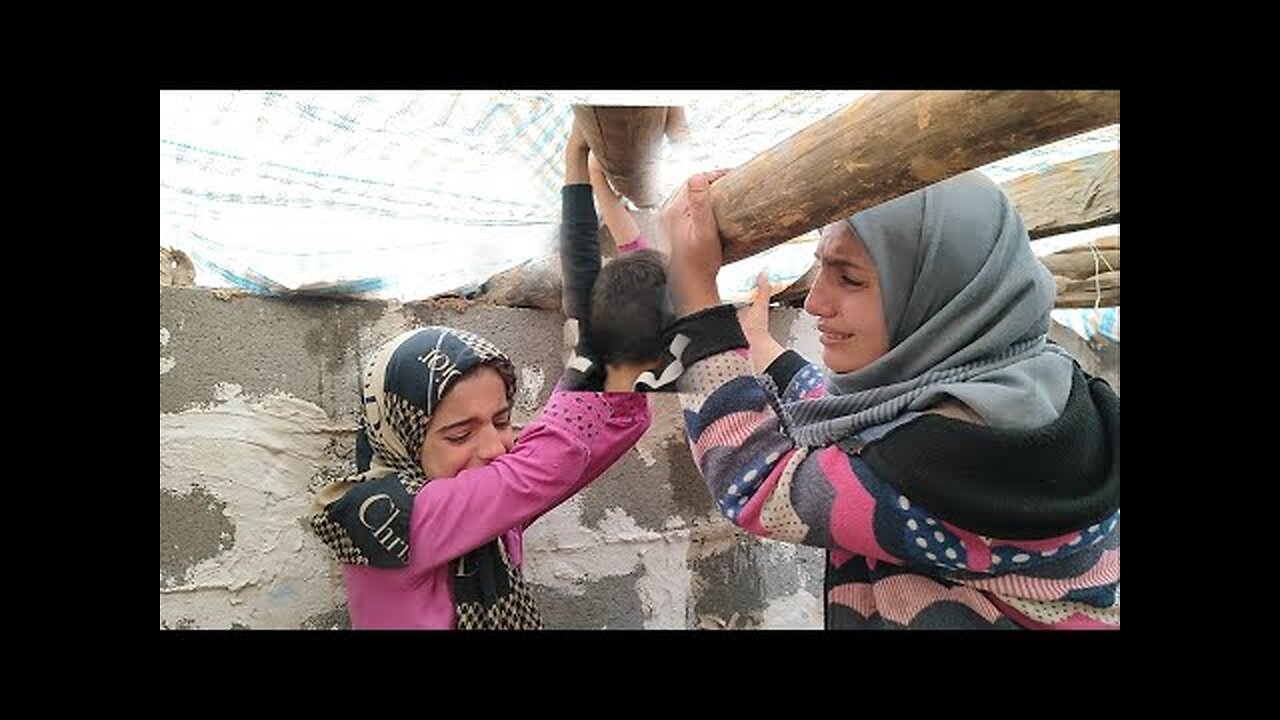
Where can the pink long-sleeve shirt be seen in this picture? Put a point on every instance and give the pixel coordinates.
(573, 441)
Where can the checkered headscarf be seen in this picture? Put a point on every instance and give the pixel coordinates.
(364, 518)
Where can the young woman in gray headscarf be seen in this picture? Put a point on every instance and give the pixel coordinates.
(961, 471)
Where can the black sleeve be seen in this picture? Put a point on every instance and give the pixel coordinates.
(579, 257)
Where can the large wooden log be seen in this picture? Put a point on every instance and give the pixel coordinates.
(625, 140)
(886, 145)
(916, 162)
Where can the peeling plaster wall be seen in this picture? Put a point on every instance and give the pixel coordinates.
(258, 403)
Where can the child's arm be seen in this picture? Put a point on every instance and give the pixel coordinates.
(575, 157)
(575, 438)
(623, 227)
(579, 244)
(572, 442)
(579, 259)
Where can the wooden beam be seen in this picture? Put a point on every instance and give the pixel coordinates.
(1073, 269)
(1069, 196)
(533, 284)
(1102, 290)
(1082, 262)
(1110, 242)
(176, 269)
(872, 159)
(625, 141)
(537, 284)
(886, 145)
(1072, 263)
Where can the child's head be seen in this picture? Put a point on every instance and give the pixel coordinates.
(630, 309)
(471, 426)
(437, 401)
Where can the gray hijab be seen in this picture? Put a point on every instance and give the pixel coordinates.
(966, 305)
